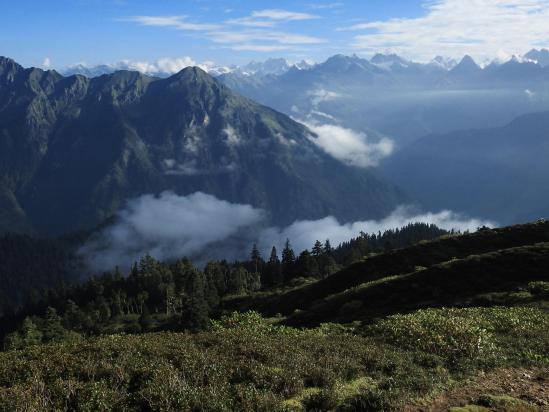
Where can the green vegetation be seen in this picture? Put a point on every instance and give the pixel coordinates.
(247, 363)
(156, 295)
(383, 339)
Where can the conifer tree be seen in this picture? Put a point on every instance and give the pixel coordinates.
(255, 258)
(288, 260)
(317, 250)
(274, 270)
(195, 312)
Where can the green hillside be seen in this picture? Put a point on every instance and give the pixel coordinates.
(459, 323)
(446, 259)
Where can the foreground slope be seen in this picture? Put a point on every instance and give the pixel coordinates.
(402, 348)
(246, 364)
(73, 150)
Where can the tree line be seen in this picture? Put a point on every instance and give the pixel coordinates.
(176, 295)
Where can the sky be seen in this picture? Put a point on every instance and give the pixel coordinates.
(60, 33)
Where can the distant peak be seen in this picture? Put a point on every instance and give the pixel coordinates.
(192, 72)
(466, 64)
(467, 60)
(382, 58)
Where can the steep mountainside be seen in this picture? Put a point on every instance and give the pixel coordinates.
(498, 173)
(73, 149)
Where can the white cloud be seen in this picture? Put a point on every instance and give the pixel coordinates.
(353, 148)
(46, 64)
(262, 40)
(454, 28)
(164, 65)
(239, 37)
(231, 137)
(251, 22)
(303, 234)
(270, 18)
(259, 47)
(257, 35)
(321, 95)
(326, 6)
(282, 15)
(176, 22)
(169, 226)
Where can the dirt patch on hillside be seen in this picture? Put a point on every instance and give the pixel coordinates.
(498, 390)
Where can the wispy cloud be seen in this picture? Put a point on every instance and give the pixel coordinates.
(270, 18)
(482, 29)
(256, 32)
(253, 36)
(260, 47)
(282, 15)
(326, 6)
(176, 22)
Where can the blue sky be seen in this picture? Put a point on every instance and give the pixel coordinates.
(58, 33)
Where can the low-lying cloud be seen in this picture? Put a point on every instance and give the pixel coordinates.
(352, 148)
(167, 226)
(201, 226)
(304, 233)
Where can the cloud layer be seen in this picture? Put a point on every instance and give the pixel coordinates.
(201, 226)
(167, 226)
(484, 29)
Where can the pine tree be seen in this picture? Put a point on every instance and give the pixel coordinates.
(306, 265)
(195, 311)
(273, 274)
(255, 258)
(288, 260)
(328, 248)
(317, 250)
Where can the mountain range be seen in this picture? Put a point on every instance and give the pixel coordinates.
(73, 150)
(403, 99)
(168, 67)
(499, 173)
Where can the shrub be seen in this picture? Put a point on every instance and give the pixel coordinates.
(445, 332)
(539, 288)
